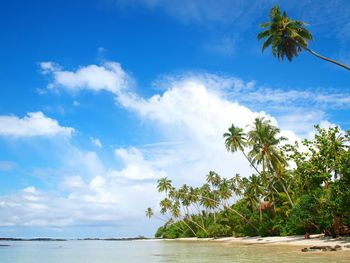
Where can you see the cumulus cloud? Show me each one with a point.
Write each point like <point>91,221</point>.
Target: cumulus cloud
<point>108,77</point>
<point>34,124</point>
<point>136,167</point>
<point>95,195</point>
<point>188,118</point>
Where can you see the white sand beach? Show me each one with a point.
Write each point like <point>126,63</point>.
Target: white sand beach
<point>300,241</point>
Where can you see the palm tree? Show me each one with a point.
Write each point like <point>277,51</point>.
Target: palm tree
<point>225,192</point>
<point>236,185</point>
<point>176,213</point>
<point>235,140</point>
<point>186,200</point>
<point>288,37</point>
<point>149,212</point>
<point>208,201</point>
<point>164,185</point>
<point>165,205</point>
<point>264,141</point>
<point>213,178</point>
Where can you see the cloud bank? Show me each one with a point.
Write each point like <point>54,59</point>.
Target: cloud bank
<point>188,119</point>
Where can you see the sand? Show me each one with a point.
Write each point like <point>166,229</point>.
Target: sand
<point>300,241</point>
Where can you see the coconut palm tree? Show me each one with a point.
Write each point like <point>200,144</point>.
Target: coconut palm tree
<point>253,192</point>
<point>164,185</point>
<point>288,37</point>
<point>149,212</point>
<point>207,201</point>
<point>265,151</point>
<point>235,140</point>
<point>225,192</point>
<point>264,142</point>
<point>213,178</point>
<point>165,205</point>
<point>236,185</point>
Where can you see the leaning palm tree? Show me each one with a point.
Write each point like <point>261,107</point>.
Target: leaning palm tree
<point>235,140</point>
<point>288,37</point>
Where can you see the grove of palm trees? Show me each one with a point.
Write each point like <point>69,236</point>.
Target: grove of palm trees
<point>294,189</point>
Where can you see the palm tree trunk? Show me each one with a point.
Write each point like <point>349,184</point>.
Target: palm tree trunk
<point>200,214</point>
<point>326,59</point>
<point>233,210</point>
<point>194,233</point>
<point>256,169</point>
<point>201,227</point>
<point>287,193</point>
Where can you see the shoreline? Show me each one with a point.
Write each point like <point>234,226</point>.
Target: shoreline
<point>318,240</point>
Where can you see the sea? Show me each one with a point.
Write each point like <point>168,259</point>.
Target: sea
<point>144,251</point>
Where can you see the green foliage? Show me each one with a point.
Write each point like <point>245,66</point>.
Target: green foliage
<point>311,197</point>
<point>159,232</point>
<point>287,37</point>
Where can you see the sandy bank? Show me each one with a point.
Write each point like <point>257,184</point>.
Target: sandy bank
<point>314,240</point>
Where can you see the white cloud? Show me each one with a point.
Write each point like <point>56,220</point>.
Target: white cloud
<point>95,197</point>
<point>195,112</point>
<point>302,123</point>
<point>189,117</point>
<point>34,124</point>
<point>136,167</point>
<point>97,142</point>
<point>48,67</point>
<point>108,77</point>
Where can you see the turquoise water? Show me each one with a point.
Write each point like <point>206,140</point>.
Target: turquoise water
<point>155,251</point>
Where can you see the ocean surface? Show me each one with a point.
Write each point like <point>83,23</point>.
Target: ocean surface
<point>155,251</point>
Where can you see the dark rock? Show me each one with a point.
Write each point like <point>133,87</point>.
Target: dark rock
<point>321,248</point>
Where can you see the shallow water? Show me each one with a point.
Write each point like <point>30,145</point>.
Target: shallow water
<point>155,251</point>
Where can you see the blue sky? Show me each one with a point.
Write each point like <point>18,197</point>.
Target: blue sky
<point>99,99</point>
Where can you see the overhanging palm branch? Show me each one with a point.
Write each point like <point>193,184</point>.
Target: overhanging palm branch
<point>288,37</point>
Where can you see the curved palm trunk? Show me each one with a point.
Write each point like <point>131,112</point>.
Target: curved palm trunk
<point>200,214</point>
<point>287,193</point>
<point>187,216</point>
<point>326,59</point>
<point>256,169</point>
<point>188,226</point>
<point>284,189</point>
<point>233,210</point>
<point>201,227</point>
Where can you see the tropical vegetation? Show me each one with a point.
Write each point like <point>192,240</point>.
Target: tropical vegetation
<point>293,189</point>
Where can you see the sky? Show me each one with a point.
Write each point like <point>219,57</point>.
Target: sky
<point>101,98</point>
